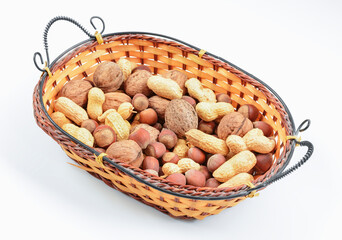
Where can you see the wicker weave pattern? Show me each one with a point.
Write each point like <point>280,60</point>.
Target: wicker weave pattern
<point>161,55</point>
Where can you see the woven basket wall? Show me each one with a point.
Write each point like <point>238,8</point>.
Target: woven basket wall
<point>160,55</point>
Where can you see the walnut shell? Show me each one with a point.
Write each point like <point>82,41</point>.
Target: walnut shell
<point>126,151</point>
<point>154,133</point>
<point>108,77</point>
<point>180,117</point>
<point>159,104</point>
<point>77,91</point>
<point>114,99</point>
<point>233,123</point>
<point>137,83</point>
<point>178,77</point>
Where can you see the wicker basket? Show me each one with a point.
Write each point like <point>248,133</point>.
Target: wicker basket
<point>162,53</point>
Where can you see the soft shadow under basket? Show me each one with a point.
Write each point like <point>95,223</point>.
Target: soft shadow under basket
<point>162,53</point>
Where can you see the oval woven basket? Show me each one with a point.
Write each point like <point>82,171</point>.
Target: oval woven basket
<point>162,53</point>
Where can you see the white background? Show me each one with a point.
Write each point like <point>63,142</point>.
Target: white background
<point>294,46</point>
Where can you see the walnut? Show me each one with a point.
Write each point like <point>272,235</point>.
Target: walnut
<point>77,91</point>
<point>114,99</point>
<point>108,77</point>
<point>159,104</point>
<point>180,117</point>
<point>137,83</point>
<point>233,124</point>
<point>126,151</point>
<point>178,77</point>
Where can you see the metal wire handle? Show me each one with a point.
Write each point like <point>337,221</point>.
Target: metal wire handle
<point>302,127</point>
<point>46,31</point>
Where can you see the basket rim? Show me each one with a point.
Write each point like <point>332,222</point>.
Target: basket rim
<point>244,191</point>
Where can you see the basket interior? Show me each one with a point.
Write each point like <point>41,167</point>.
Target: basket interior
<point>162,55</point>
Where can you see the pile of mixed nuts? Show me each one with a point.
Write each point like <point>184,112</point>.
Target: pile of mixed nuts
<point>168,125</point>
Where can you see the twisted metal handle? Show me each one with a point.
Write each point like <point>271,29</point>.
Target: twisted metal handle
<point>46,31</point>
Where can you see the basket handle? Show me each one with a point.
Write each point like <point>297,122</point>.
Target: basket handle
<point>302,127</point>
<point>47,28</point>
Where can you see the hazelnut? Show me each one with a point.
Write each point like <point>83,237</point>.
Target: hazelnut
<point>263,164</point>
<point>233,124</point>
<point>140,102</point>
<point>249,111</point>
<point>222,97</point>
<point>168,138</point>
<point>148,116</point>
<point>207,127</point>
<point>141,67</point>
<point>212,183</point>
<point>195,177</point>
<point>152,131</point>
<point>155,149</point>
<point>196,154</point>
<point>177,178</point>
<point>126,151</point>
<point>90,125</point>
<point>100,150</point>
<point>265,127</point>
<point>190,100</point>
<point>141,137</point>
<point>104,136</point>
<point>205,171</point>
<point>137,83</point>
<point>158,126</point>
<point>170,157</point>
<point>150,163</point>
<point>215,161</point>
<point>108,77</point>
<point>77,91</point>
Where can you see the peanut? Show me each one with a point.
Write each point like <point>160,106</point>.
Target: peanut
<point>235,144</point>
<point>120,127</point>
<point>209,111</point>
<point>126,67</point>
<point>102,118</point>
<point>81,134</point>
<point>256,141</point>
<point>96,98</point>
<point>181,148</point>
<point>239,179</point>
<point>125,110</point>
<point>206,142</point>
<point>59,118</point>
<point>164,87</point>
<point>170,168</point>
<point>240,163</point>
<point>71,110</point>
<point>186,164</point>
<point>196,90</point>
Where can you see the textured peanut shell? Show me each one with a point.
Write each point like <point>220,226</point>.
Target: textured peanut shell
<point>159,104</point>
<point>206,142</point>
<point>181,148</point>
<point>126,151</point>
<point>108,77</point>
<point>209,111</point>
<point>233,123</point>
<point>235,144</point>
<point>186,164</point>
<point>154,133</point>
<point>126,67</point>
<point>239,179</point>
<point>240,163</point>
<point>118,124</point>
<point>77,91</point>
<point>177,76</point>
<point>196,90</point>
<point>59,118</point>
<point>71,110</point>
<point>81,134</point>
<point>114,99</point>
<point>180,117</point>
<point>96,98</point>
<point>164,87</point>
<point>256,141</point>
<point>137,83</point>
<point>170,168</point>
